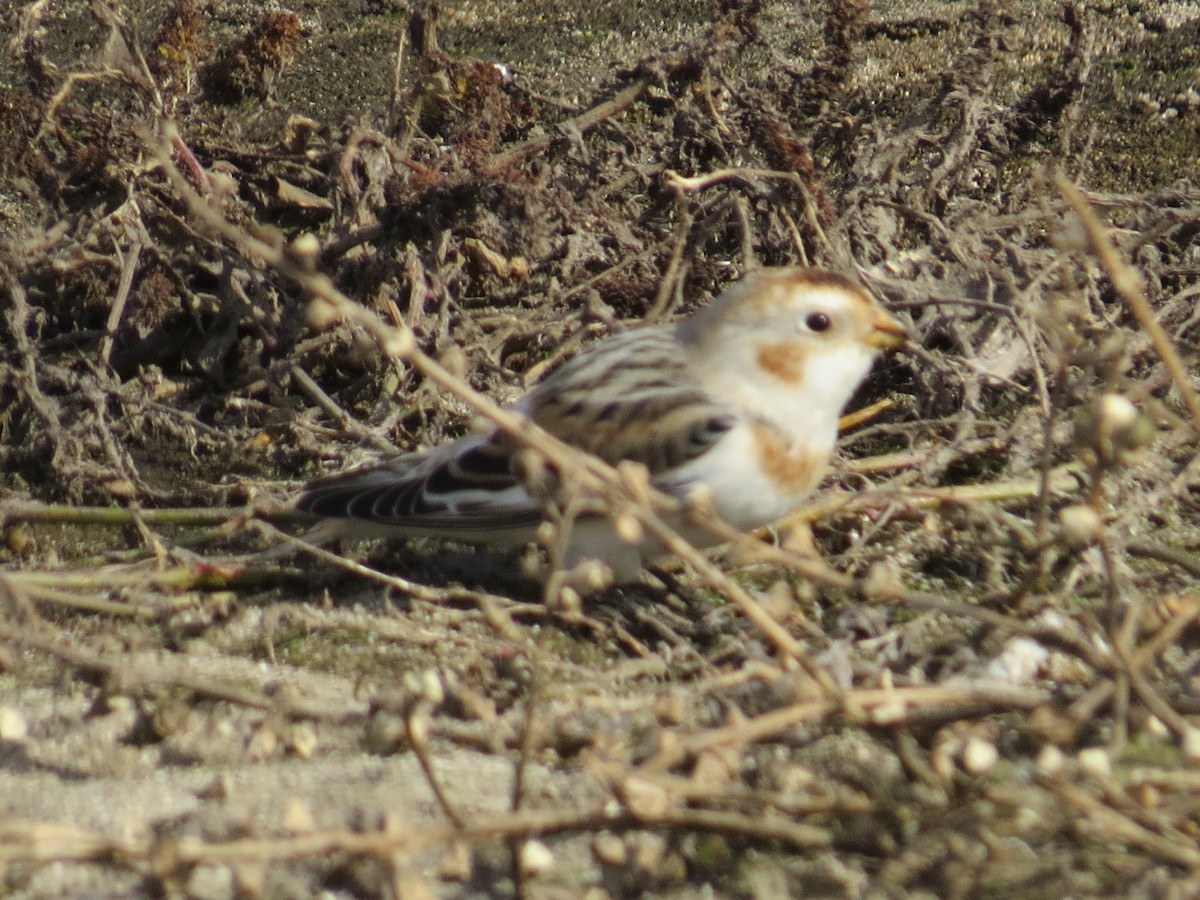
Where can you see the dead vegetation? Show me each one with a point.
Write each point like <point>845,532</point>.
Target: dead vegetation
<point>966,670</point>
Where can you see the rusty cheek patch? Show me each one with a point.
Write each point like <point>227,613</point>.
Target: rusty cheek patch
<point>783,360</point>
<point>794,469</point>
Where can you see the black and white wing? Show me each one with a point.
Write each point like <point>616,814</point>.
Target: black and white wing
<point>633,397</point>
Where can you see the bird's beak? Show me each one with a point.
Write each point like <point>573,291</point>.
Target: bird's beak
<point>886,332</point>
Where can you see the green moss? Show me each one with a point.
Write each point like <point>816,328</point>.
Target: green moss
<point>1147,750</point>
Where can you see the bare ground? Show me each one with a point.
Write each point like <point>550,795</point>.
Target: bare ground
<point>967,670</point>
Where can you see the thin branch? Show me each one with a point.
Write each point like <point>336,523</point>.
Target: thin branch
<point>1129,285</point>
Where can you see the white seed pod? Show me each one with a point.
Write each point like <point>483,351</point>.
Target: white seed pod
<point>432,688</point>
<point>306,246</point>
<point>418,729</point>
<point>593,575</point>
<point>979,755</point>
<point>1096,762</point>
<point>1117,413</point>
<point>568,602</point>
<point>535,858</point>
<point>1191,744</point>
<point>628,528</point>
<point>1050,761</point>
<point>1081,525</point>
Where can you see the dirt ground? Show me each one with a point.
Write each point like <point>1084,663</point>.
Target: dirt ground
<point>967,669</point>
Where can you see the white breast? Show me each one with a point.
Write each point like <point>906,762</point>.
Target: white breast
<point>743,493</point>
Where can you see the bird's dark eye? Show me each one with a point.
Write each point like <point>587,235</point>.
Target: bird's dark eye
<point>817,322</point>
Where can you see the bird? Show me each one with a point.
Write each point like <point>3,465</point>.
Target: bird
<point>738,403</point>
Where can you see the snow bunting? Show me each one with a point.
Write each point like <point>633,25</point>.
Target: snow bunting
<point>741,401</point>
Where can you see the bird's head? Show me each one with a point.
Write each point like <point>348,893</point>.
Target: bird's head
<point>805,334</point>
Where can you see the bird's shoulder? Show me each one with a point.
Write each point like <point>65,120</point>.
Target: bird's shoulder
<point>635,396</point>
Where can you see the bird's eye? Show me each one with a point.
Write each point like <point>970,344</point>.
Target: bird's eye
<point>817,322</point>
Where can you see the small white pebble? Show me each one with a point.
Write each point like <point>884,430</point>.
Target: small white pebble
<point>1019,661</point>
<point>645,799</point>
<point>303,740</point>
<point>13,726</point>
<point>210,880</point>
<point>610,850</point>
<point>297,818</point>
<point>882,583</point>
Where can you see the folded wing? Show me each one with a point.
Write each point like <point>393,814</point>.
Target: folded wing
<point>633,398</point>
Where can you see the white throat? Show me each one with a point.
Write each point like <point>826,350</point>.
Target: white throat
<point>806,410</point>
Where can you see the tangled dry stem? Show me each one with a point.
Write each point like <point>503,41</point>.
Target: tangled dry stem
<point>1000,582</point>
